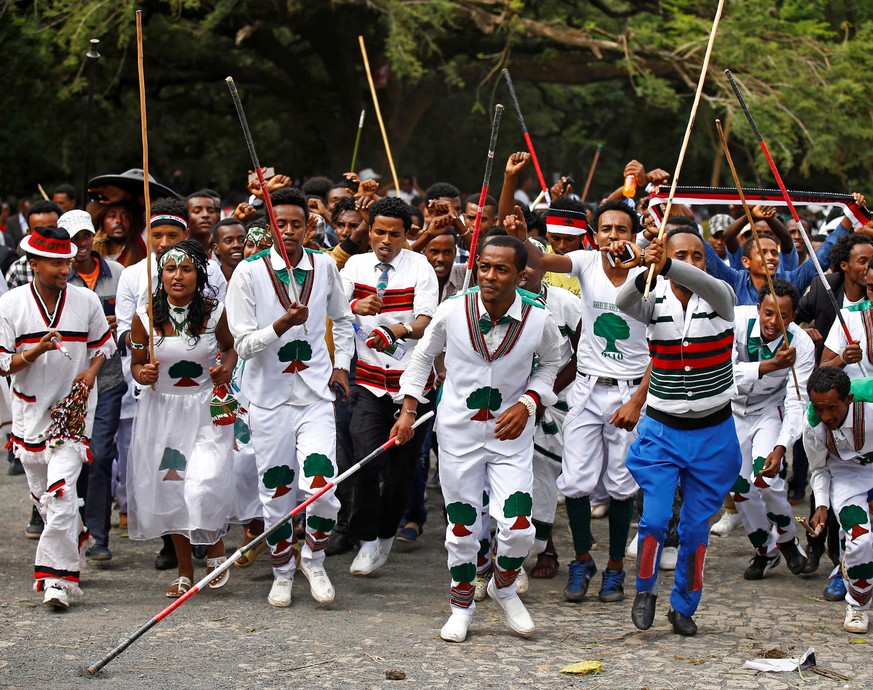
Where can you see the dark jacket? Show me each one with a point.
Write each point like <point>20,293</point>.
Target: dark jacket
<point>816,307</point>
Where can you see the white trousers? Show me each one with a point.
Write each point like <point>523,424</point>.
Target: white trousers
<point>762,502</point>
<point>850,485</point>
<point>548,449</point>
<point>295,449</point>
<point>51,477</point>
<point>594,447</point>
<point>463,482</point>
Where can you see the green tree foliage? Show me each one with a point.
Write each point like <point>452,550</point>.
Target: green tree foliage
<point>741,486</point>
<point>862,571</point>
<point>321,526</point>
<point>462,515</point>
<point>486,400</point>
<point>851,519</point>
<point>611,327</point>
<point>759,538</point>
<point>174,462</point>
<point>617,72</point>
<point>280,478</point>
<point>318,467</point>
<point>297,352</point>
<point>518,505</point>
<point>185,372</point>
<point>282,537</point>
<point>241,431</point>
<point>466,572</point>
<point>510,563</point>
<point>781,521</point>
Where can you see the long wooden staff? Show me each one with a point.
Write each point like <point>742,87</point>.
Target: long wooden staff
<point>730,162</point>
<point>785,195</point>
<point>688,129</point>
<point>591,173</point>
<point>145,174</point>
<point>379,113</point>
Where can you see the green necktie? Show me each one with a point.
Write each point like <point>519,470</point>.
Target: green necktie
<point>485,323</point>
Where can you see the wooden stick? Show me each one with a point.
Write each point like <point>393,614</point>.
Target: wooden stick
<point>688,129</point>
<point>145,174</point>
<point>379,113</point>
<point>730,162</point>
<point>591,173</point>
<point>42,191</point>
<point>357,140</point>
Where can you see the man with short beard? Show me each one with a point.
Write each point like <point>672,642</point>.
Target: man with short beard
<point>116,240</point>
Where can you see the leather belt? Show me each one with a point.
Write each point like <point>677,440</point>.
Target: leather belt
<point>606,381</point>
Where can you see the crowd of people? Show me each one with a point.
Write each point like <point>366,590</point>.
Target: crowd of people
<point>199,368</point>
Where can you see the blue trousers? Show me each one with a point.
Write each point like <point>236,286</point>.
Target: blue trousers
<point>98,494</point>
<point>706,462</point>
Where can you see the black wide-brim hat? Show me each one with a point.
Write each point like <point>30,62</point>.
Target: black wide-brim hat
<point>132,181</point>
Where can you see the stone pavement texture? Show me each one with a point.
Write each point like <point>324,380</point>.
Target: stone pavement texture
<point>233,639</point>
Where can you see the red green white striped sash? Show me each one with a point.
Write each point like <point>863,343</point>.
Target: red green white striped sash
<point>858,436</point>
<point>478,339</point>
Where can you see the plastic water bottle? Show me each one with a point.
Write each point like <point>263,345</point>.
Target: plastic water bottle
<point>396,351</point>
<point>630,186</point>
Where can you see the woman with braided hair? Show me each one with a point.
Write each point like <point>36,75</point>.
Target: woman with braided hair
<point>180,473</point>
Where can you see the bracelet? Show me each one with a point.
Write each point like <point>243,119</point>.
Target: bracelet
<point>136,346</point>
<point>407,410</point>
<point>840,356</point>
<point>529,404</point>
<point>28,361</point>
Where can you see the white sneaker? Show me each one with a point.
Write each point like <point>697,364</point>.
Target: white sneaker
<point>522,583</point>
<point>57,598</point>
<point>481,588</point>
<point>280,593</point>
<point>669,556</point>
<point>319,583</point>
<point>726,524</point>
<point>455,629</point>
<point>631,550</point>
<point>517,616</point>
<point>856,621</point>
<point>368,561</point>
<point>599,512</point>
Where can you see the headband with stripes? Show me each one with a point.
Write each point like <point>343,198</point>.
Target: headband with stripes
<point>166,219</point>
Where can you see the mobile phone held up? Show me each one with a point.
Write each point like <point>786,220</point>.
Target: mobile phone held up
<point>626,255</point>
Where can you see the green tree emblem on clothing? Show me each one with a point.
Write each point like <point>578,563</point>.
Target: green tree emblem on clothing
<point>851,518</point>
<point>296,352</point>
<point>518,506</point>
<point>462,515</point>
<point>280,478</point>
<point>611,327</point>
<point>185,372</point>
<point>781,521</point>
<point>486,400</point>
<point>510,563</point>
<point>282,538</point>
<point>466,572</point>
<point>174,462</point>
<point>861,573</point>
<point>741,486</point>
<point>759,538</point>
<point>318,467</point>
<point>321,526</point>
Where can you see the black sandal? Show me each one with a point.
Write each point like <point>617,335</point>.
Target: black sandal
<point>551,570</point>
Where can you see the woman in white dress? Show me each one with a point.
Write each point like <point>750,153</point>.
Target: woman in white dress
<point>180,477</point>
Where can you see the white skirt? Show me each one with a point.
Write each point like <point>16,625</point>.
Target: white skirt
<point>180,472</point>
